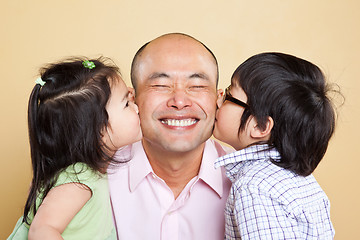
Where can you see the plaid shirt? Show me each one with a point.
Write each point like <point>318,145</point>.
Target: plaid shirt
<point>269,202</point>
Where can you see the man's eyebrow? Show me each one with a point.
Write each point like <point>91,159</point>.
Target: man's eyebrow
<point>158,75</point>
<point>199,75</point>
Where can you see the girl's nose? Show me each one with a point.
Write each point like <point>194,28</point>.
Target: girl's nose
<point>134,106</point>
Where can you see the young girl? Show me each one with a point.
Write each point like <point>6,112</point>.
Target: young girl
<point>80,112</point>
<point>278,117</point>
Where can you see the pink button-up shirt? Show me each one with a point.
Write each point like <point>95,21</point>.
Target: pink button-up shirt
<point>144,206</point>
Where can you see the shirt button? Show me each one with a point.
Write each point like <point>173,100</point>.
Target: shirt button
<point>153,175</point>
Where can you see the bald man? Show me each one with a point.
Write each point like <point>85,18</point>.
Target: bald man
<point>170,189</point>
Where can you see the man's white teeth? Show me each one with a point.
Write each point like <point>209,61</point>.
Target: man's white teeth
<point>179,123</point>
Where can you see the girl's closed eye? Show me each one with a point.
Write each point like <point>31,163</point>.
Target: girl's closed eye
<point>127,100</point>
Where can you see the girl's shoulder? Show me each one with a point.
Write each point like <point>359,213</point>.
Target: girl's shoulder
<point>78,173</point>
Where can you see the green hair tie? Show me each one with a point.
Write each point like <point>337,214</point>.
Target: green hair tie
<point>40,81</point>
<point>88,64</point>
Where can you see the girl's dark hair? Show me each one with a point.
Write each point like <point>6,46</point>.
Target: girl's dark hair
<point>293,92</point>
<point>66,117</point>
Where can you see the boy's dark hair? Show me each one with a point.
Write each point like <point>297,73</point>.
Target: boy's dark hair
<point>66,117</point>
<point>293,92</point>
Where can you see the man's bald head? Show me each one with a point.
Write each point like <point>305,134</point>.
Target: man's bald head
<point>167,41</point>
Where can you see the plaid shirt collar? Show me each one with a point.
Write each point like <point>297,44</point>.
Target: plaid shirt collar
<point>235,162</point>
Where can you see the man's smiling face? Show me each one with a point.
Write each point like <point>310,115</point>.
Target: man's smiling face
<point>176,93</point>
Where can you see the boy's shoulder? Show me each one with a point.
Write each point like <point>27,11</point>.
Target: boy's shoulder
<point>262,173</point>
<point>221,148</point>
<point>265,178</point>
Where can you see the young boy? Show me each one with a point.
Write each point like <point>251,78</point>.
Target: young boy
<point>277,115</point>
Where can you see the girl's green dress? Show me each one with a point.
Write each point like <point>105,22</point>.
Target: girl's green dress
<point>94,220</point>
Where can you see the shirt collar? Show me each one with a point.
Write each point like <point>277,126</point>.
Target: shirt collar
<point>211,176</point>
<point>236,161</point>
<point>139,166</point>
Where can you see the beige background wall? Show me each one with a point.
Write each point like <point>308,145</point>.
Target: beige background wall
<point>326,32</point>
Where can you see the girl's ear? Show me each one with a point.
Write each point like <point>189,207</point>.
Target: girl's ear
<point>261,134</point>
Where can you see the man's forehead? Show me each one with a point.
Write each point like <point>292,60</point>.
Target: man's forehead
<point>176,45</point>
<point>181,60</point>
<point>173,54</point>
<point>180,69</point>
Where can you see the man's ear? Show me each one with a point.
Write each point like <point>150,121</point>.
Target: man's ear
<point>131,93</point>
<point>219,100</point>
<point>261,134</point>
<point>220,93</point>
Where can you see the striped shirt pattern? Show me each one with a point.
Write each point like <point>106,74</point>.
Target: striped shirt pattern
<point>269,202</point>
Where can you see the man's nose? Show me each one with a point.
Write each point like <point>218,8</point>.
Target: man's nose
<point>179,99</point>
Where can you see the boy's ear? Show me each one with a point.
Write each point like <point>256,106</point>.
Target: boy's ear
<point>258,133</point>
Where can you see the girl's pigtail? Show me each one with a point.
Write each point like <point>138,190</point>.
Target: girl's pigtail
<point>33,106</point>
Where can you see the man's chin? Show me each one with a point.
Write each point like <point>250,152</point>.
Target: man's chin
<point>185,145</point>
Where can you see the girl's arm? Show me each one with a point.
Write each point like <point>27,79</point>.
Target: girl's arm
<point>58,208</point>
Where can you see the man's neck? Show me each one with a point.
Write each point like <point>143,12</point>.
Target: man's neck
<point>175,168</point>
